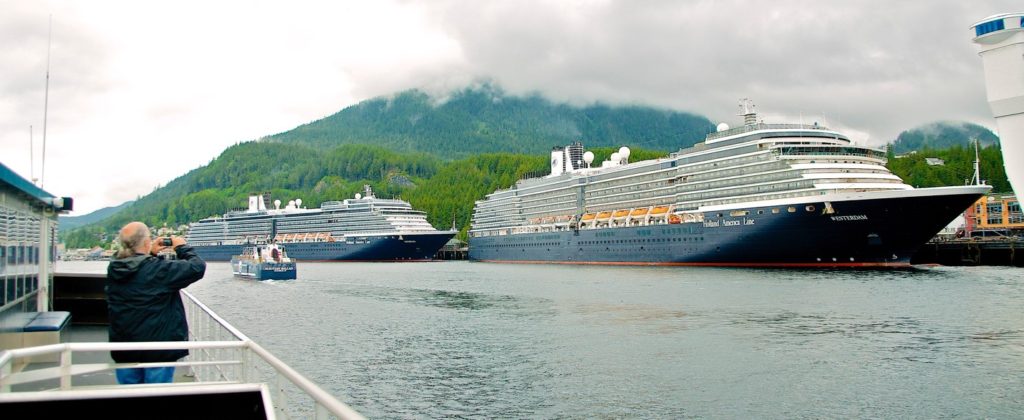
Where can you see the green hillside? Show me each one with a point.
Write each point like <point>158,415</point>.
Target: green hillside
<point>942,135</point>
<point>957,169</point>
<point>485,120</point>
<point>71,222</point>
<point>445,190</point>
<point>442,156</point>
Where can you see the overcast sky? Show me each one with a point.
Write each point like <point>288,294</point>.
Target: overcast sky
<point>141,92</point>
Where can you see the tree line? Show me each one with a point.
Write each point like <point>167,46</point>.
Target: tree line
<point>445,190</point>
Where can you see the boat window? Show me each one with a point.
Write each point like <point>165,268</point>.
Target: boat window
<point>791,209</point>
<point>809,208</point>
<point>995,25</point>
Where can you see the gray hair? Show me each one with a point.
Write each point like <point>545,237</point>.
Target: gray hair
<point>132,241</point>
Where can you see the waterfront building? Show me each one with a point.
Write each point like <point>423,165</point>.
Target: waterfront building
<point>995,214</point>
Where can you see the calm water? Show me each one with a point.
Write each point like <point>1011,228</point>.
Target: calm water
<point>492,340</point>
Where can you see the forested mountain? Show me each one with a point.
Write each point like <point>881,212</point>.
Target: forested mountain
<point>71,222</point>
<point>445,190</point>
<point>957,169</point>
<point>486,120</point>
<point>442,156</point>
<point>942,135</point>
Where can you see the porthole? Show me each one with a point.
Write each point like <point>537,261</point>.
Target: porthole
<point>809,208</point>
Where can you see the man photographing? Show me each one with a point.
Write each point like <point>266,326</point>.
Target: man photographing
<point>144,303</point>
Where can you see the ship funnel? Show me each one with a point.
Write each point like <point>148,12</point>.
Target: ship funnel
<point>557,161</point>
<point>574,154</point>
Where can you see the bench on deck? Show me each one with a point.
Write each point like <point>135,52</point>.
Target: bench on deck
<point>31,329</point>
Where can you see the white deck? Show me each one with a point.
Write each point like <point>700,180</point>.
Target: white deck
<point>222,359</point>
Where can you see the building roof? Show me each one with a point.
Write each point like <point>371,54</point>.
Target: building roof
<point>11,180</point>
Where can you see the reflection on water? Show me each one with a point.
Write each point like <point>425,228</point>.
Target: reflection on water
<point>490,340</point>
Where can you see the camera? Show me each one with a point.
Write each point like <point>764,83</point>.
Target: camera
<point>166,241</point>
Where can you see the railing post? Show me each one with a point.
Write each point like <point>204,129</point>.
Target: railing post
<point>280,402</point>
<point>65,368</point>
<point>5,372</point>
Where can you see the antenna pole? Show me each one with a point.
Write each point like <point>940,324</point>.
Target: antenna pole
<point>46,100</point>
<point>977,164</point>
<point>31,156</point>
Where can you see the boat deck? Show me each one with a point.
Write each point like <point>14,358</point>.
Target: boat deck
<point>85,334</point>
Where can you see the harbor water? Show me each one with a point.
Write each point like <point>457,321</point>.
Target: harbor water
<point>465,339</point>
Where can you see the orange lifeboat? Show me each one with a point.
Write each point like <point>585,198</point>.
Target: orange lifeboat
<point>588,217</point>
<point>604,215</point>
<point>638,212</point>
<point>674,219</point>
<point>620,214</point>
<point>659,210</point>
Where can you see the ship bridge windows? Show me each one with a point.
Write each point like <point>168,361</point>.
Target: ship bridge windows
<point>991,26</point>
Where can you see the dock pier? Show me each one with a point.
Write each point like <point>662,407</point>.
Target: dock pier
<point>968,252</point>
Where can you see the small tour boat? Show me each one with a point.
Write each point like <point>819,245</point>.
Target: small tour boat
<point>264,262</point>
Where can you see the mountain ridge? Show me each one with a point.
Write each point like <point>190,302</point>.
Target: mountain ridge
<point>941,135</point>
<point>443,155</point>
<point>486,120</point>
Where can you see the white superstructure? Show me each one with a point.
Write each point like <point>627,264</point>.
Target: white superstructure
<point>1001,38</point>
<point>732,169</point>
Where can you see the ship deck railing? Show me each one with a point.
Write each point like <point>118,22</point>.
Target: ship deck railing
<point>221,360</point>
<point>762,126</point>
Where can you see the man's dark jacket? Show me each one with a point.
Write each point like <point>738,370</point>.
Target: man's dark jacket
<point>144,303</point>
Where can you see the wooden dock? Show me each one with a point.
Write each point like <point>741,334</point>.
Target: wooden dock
<point>1007,251</point>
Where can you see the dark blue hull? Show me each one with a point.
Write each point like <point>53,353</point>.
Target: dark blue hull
<point>860,233</point>
<point>370,248</point>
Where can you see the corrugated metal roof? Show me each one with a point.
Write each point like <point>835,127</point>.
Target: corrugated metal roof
<point>10,179</point>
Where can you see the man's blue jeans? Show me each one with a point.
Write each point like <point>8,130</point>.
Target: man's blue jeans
<point>145,375</point>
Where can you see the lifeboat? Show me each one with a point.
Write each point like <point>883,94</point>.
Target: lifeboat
<point>620,214</point>
<point>550,219</point>
<point>587,217</point>
<point>638,212</point>
<point>563,218</point>
<point>674,219</point>
<point>659,211</point>
<point>604,215</point>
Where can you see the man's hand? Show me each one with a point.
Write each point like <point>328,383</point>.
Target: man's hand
<point>158,244</point>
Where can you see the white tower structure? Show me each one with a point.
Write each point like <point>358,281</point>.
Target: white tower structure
<point>1001,38</point>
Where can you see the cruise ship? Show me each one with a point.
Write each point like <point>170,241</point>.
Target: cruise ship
<point>758,195</point>
<point>364,228</point>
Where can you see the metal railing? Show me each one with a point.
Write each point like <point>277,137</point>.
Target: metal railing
<point>762,126</point>
<point>220,355</point>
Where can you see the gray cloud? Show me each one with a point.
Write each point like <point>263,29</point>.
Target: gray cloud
<point>130,77</point>
<point>876,66</point>
<point>77,68</point>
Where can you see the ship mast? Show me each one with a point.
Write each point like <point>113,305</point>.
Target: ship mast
<point>747,112</point>
<point>976,180</point>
